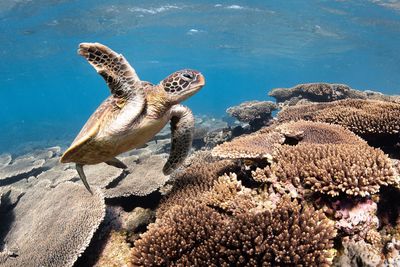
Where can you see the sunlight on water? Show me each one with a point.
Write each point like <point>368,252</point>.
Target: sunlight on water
<point>244,49</point>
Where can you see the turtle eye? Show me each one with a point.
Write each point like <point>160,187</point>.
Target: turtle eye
<point>187,76</point>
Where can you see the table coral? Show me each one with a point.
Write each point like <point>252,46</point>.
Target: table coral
<point>316,92</point>
<point>46,233</point>
<point>260,144</point>
<point>370,119</point>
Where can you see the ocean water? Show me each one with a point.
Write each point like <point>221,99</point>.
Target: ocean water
<point>244,49</point>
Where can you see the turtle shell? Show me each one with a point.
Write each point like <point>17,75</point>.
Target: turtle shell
<point>95,123</point>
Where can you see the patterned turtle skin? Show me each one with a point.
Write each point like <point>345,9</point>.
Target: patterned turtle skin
<point>134,113</point>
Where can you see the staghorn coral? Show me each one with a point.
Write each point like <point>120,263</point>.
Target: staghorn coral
<point>291,234</point>
<point>229,195</point>
<point>181,233</point>
<point>332,168</point>
<point>145,176</point>
<point>257,145</point>
<point>371,119</point>
<point>315,92</point>
<point>41,231</point>
<point>256,113</point>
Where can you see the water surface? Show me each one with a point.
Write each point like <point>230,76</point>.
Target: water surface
<point>244,48</point>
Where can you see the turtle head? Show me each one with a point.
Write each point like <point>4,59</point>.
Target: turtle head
<point>182,84</point>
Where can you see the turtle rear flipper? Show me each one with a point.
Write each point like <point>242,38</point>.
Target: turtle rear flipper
<point>79,168</point>
<point>182,128</point>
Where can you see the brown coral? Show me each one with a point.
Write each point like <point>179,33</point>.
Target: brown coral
<point>358,253</point>
<point>183,234</point>
<point>194,181</point>
<point>316,92</point>
<point>256,113</point>
<point>292,234</point>
<point>332,168</point>
<point>318,133</point>
<point>370,119</point>
<point>257,145</point>
<point>116,251</point>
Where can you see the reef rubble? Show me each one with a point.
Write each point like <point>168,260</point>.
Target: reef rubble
<point>316,184</point>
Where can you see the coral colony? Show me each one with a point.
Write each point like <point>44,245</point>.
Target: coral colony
<point>316,185</point>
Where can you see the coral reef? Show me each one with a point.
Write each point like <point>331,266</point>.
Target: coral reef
<point>371,119</point>
<point>144,176</point>
<point>115,252</point>
<point>324,92</point>
<point>358,219</point>
<point>57,176</point>
<point>21,166</point>
<point>41,213</point>
<point>258,145</point>
<point>256,113</point>
<point>315,92</point>
<point>358,253</point>
<point>303,191</point>
<point>333,168</point>
<point>318,133</point>
<point>193,182</point>
<point>291,234</point>
<point>102,174</point>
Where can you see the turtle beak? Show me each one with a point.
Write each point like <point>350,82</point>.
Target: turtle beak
<point>201,81</point>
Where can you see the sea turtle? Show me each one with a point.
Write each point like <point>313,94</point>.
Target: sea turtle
<point>134,112</point>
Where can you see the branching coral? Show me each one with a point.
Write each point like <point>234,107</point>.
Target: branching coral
<point>194,181</point>
<point>333,168</point>
<point>291,234</point>
<point>182,235</point>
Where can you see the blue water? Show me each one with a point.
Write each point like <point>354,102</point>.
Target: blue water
<point>244,48</point>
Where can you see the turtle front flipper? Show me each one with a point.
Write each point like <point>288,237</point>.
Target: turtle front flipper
<point>119,75</point>
<point>182,128</point>
<point>125,86</point>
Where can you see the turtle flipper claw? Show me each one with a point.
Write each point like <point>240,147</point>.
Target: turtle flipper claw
<point>79,168</point>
